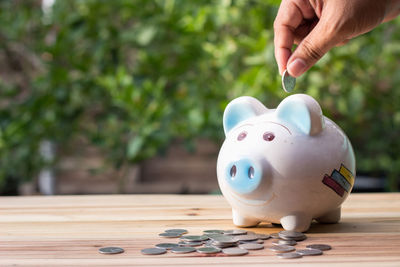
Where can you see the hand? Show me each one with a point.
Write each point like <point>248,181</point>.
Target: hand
<point>319,25</point>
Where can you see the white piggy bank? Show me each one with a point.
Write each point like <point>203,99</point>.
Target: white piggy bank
<point>287,165</point>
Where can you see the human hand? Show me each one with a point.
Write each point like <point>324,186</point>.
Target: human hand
<point>319,25</point>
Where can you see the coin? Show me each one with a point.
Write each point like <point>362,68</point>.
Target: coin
<point>223,239</point>
<point>282,248</point>
<point>235,251</point>
<point>220,245</point>
<point>181,250</point>
<point>310,252</point>
<point>251,246</point>
<point>190,244</point>
<point>284,242</point>
<point>245,238</point>
<point>288,82</point>
<point>167,245</point>
<point>194,238</point>
<point>208,250</point>
<point>170,234</point>
<point>235,232</point>
<point>181,231</point>
<point>320,246</point>
<point>289,255</point>
<point>153,251</point>
<point>212,235</point>
<point>111,250</point>
<point>258,241</point>
<point>263,236</point>
<point>292,235</point>
<point>213,231</point>
<point>274,235</point>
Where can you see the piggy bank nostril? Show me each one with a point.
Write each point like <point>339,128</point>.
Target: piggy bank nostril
<point>233,171</point>
<point>251,173</point>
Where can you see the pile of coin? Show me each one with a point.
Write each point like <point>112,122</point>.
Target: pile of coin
<point>284,246</point>
<point>235,242</point>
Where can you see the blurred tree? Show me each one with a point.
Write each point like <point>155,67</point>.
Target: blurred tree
<point>130,76</point>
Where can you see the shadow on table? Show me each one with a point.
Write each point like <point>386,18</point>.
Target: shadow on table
<point>349,225</point>
<point>357,225</point>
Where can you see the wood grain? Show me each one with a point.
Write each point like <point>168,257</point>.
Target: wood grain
<point>68,230</point>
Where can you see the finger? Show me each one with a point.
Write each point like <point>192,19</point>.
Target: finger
<point>290,15</point>
<point>303,30</point>
<point>319,41</point>
<point>343,43</point>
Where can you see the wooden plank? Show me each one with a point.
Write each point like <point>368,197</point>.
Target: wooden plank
<point>68,230</point>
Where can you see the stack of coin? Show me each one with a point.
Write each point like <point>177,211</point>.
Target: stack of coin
<point>288,239</point>
<point>173,233</point>
<point>221,241</point>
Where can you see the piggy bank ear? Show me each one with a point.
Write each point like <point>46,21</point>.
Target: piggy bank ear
<point>303,112</point>
<point>240,109</point>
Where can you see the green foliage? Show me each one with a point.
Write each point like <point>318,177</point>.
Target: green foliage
<point>130,76</point>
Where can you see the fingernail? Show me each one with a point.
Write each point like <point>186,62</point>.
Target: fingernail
<point>297,67</point>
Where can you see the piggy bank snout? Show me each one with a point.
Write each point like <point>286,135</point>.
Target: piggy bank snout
<point>244,175</point>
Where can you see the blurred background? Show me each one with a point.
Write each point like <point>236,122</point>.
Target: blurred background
<point>128,96</point>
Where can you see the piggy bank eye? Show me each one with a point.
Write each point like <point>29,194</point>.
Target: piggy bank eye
<point>242,136</point>
<point>268,136</point>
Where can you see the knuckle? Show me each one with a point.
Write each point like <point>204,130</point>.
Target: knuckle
<point>310,50</point>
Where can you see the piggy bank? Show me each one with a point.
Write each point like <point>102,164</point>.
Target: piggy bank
<point>286,166</point>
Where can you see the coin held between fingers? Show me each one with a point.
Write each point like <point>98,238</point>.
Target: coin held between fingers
<point>288,82</point>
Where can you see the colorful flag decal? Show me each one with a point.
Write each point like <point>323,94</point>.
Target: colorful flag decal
<point>339,181</point>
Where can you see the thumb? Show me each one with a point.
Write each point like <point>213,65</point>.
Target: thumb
<point>316,44</point>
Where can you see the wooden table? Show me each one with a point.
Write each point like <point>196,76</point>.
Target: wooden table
<point>68,230</point>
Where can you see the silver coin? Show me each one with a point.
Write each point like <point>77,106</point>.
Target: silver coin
<point>274,236</point>
<point>263,236</point>
<point>245,237</point>
<point>213,231</point>
<point>258,241</point>
<point>166,245</point>
<point>310,252</point>
<point>194,238</point>
<point>288,82</point>
<point>111,250</point>
<point>181,250</point>
<point>284,242</point>
<point>212,235</point>
<point>235,232</point>
<point>223,239</point>
<point>190,244</point>
<point>153,251</point>
<point>208,250</point>
<point>320,246</point>
<point>220,245</point>
<point>181,231</point>
<point>251,246</point>
<point>282,248</point>
<point>289,255</point>
<point>292,235</point>
<point>170,234</point>
<point>235,251</point>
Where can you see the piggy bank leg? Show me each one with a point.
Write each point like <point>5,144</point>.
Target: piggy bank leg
<point>297,222</point>
<point>331,217</point>
<point>242,221</point>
